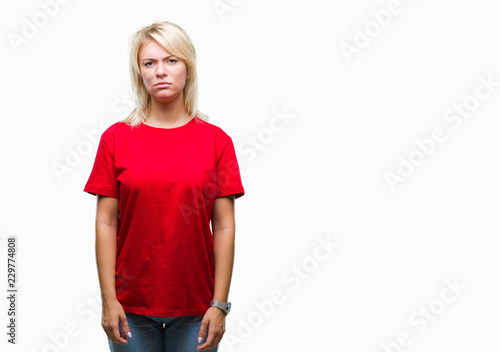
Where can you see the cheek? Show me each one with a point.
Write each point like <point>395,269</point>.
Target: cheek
<point>146,80</point>
<point>181,77</point>
<point>181,73</point>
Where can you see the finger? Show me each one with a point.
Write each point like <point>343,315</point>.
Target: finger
<point>203,330</point>
<point>115,334</point>
<point>125,327</point>
<point>210,343</point>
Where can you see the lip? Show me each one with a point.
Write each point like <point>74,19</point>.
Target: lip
<point>162,84</point>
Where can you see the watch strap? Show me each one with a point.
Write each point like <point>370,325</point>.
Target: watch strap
<point>225,307</point>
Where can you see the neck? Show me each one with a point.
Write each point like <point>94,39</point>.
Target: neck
<point>169,113</point>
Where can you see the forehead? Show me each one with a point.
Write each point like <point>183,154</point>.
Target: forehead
<point>152,49</point>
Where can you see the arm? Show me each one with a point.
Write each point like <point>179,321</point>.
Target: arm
<point>106,229</point>
<point>223,226</point>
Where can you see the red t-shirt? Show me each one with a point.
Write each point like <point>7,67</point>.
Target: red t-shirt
<point>166,181</point>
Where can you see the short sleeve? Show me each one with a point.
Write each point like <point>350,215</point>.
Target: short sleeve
<point>228,173</point>
<point>102,179</point>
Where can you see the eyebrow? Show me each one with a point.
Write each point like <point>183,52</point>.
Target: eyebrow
<point>155,59</point>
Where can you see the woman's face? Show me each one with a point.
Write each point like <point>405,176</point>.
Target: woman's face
<point>157,65</point>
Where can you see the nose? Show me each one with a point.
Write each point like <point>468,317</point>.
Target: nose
<point>161,71</point>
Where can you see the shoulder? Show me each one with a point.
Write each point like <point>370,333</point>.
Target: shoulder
<point>114,133</point>
<point>114,129</point>
<point>111,129</point>
<point>216,132</point>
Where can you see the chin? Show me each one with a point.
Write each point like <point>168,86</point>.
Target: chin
<point>164,97</point>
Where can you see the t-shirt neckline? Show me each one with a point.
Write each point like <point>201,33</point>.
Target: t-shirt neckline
<point>170,129</point>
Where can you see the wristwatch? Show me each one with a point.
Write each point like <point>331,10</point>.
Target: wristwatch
<point>225,307</point>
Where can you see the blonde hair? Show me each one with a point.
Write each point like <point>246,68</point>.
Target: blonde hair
<point>177,42</point>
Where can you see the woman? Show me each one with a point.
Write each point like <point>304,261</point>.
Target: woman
<point>161,176</point>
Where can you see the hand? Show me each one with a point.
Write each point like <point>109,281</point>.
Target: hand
<point>215,320</point>
<point>112,314</point>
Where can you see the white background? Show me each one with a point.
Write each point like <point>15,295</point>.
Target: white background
<point>352,120</point>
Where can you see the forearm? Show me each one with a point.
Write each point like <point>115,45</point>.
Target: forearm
<point>106,260</point>
<point>224,259</point>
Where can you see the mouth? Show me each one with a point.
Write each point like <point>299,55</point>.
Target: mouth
<point>162,84</point>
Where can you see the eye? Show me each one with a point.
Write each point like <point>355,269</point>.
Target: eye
<point>147,63</point>
<point>172,60</point>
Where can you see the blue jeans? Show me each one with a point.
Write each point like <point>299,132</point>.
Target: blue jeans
<point>180,334</point>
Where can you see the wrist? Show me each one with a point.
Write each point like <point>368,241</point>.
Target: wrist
<point>219,311</point>
<point>107,299</point>
<point>225,307</point>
